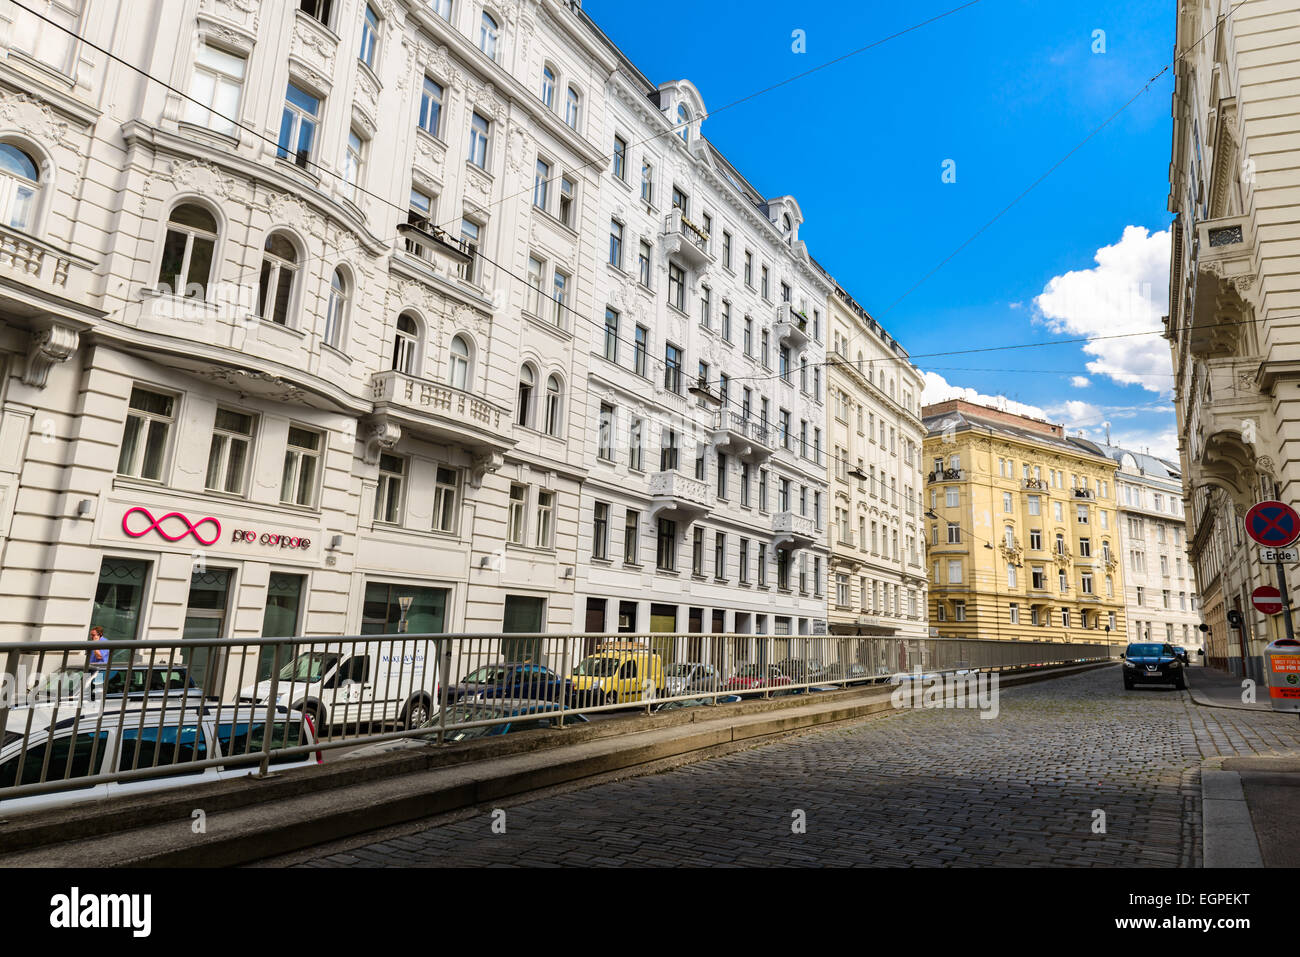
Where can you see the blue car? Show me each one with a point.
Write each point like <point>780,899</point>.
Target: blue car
<point>512,680</point>
<point>1152,663</point>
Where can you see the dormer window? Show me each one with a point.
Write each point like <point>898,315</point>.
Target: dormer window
<point>684,122</point>
<point>787,229</point>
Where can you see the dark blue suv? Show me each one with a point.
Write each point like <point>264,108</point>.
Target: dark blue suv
<point>1152,663</point>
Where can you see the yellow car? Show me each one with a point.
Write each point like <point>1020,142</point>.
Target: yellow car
<point>618,672</point>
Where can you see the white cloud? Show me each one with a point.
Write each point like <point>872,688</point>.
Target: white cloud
<point>1080,381</point>
<point>938,389</point>
<point>1126,292</point>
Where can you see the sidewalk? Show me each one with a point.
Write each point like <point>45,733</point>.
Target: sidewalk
<point>1246,802</point>
<point>1217,689</point>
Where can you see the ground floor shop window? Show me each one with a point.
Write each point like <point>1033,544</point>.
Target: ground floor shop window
<point>523,615</point>
<point>381,612</point>
<point>119,598</point>
<point>281,618</point>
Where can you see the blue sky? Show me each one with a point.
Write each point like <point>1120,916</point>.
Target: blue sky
<point>1004,89</point>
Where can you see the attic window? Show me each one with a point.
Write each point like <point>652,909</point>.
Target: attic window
<point>684,123</point>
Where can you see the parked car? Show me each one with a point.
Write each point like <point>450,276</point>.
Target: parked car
<point>618,672</point>
<point>87,683</point>
<point>751,677</point>
<point>685,677</point>
<point>525,715</point>
<point>1152,663</point>
<point>354,683</point>
<point>152,736</point>
<point>520,679</point>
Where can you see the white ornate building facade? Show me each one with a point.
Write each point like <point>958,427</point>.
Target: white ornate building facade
<point>1160,600</point>
<point>704,506</point>
<point>878,578</point>
<point>249,386</point>
<point>1234,299</point>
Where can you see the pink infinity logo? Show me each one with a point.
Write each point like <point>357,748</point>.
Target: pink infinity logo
<point>155,524</point>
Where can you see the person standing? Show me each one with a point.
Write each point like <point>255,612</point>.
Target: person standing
<point>98,656</point>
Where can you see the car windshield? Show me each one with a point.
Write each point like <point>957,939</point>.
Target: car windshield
<point>309,666</point>
<point>598,666</point>
<point>488,674</point>
<point>677,670</point>
<point>1145,651</point>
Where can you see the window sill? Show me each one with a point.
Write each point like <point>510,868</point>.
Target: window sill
<point>290,168</point>
<point>228,140</point>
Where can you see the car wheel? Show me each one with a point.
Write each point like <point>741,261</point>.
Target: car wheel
<point>1181,683</point>
<point>611,698</point>
<point>1128,685</point>
<point>415,713</point>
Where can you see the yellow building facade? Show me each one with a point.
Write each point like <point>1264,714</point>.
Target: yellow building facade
<point>1022,530</point>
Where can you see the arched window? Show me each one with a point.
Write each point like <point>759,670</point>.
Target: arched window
<point>548,87</point>
<point>279,270</point>
<point>571,108</point>
<point>683,122</point>
<point>337,310</point>
<point>188,252</point>
<point>20,185</point>
<point>458,364</point>
<point>553,397</point>
<point>787,229</point>
<point>487,36</point>
<point>526,382</point>
<point>405,344</point>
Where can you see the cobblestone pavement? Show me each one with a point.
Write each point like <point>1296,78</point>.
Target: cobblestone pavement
<point>916,788</point>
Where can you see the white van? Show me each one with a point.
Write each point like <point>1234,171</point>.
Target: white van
<point>62,743</point>
<point>353,683</point>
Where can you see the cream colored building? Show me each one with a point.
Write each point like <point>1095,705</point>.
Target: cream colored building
<point>1159,582</point>
<point>1234,296</point>
<point>877,575</point>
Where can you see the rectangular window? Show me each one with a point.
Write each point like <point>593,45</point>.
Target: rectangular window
<point>666,545</point>
<point>632,538</point>
<point>301,465</point>
<point>647,184</point>
<point>542,184</point>
<point>369,37</point>
<point>719,555</point>
<point>600,531</point>
<point>605,440</point>
<point>611,335</point>
<point>620,158</point>
<point>431,107</point>
<point>568,190</point>
<point>478,141</point>
<point>215,89</point>
<point>388,493</point>
<point>516,515</point>
<point>673,369</point>
<point>545,518</point>
<point>444,500</point>
<point>119,597</point>
<point>144,440</point>
<point>298,126</point>
<point>1015,613</point>
<point>643,264</point>
<point>954,573</point>
<point>353,164</point>
<point>677,287</point>
<point>743,559</point>
<point>616,244</point>
<point>635,456</point>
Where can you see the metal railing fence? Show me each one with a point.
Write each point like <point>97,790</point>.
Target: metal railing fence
<point>98,718</point>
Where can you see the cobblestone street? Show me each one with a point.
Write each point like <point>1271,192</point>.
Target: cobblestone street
<point>920,788</point>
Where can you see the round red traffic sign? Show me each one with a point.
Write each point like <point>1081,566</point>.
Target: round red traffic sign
<point>1267,599</point>
<point>1273,524</point>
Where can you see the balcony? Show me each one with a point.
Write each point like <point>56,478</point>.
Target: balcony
<point>944,475</point>
<point>673,495</point>
<point>1225,273</point>
<point>791,327</point>
<point>1034,485</point>
<point>793,530</point>
<point>686,241</point>
<point>440,413</point>
<point>1083,493</point>
<point>737,434</point>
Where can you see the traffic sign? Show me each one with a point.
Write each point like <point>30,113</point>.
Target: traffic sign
<point>1267,599</point>
<point>1270,555</point>
<point>1273,524</point>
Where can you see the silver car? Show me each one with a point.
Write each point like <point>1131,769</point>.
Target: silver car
<point>691,677</point>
